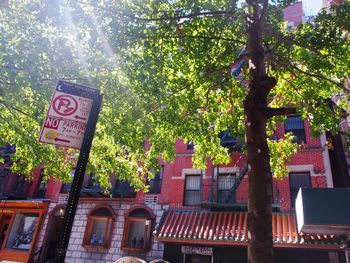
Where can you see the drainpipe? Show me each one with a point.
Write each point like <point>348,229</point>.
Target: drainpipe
<point>217,179</point>
<point>201,187</point>
<point>212,187</point>
<point>326,161</point>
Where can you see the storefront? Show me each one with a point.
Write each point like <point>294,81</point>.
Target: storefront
<point>20,223</point>
<point>221,237</point>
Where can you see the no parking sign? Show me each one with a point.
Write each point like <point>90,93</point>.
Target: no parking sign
<point>68,114</point>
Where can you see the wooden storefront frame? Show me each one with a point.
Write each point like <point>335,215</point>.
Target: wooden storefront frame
<point>13,207</point>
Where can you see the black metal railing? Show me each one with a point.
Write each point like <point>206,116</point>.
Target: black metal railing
<point>232,143</point>
<point>222,190</point>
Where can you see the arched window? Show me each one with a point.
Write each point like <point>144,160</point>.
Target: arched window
<point>99,228</point>
<point>138,229</point>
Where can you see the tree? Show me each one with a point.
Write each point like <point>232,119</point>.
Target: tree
<point>164,69</point>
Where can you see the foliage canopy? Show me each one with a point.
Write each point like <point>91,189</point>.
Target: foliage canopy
<point>164,70</point>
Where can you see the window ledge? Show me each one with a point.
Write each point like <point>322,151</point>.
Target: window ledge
<point>135,249</point>
<point>96,246</point>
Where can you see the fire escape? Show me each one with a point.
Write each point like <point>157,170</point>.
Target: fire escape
<point>219,193</point>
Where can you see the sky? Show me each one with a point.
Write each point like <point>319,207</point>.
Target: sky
<point>311,7</point>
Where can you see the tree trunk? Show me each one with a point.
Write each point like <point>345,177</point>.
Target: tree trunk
<point>260,189</point>
<point>260,245</point>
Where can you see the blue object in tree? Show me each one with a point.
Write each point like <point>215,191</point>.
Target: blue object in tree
<point>238,63</point>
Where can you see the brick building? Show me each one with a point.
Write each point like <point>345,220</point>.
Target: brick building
<point>207,221</point>
<point>294,14</point>
<point>105,228</point>
<point>189,215</point>
<point>22,210</point>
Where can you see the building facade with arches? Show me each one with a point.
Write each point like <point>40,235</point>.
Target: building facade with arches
<point>188,215</point>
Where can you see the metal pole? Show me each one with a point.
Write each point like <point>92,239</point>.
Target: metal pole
<point>77,182</point>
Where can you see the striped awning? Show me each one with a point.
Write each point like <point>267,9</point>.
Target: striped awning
<point>230,228</point>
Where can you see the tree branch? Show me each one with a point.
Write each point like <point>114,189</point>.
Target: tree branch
<point>192,15</point>
<point>309,74</point>
<point>164,18</point>
<point>14,108</point>
<point>280,111</point>
<point>295,88</point>
<point>205,37</point>
<point>290,41</point>
<point>18,130</point>
<point>263,10</point>
<point>206,101</point>
<point>7,83</point>
<point>14,115</point>
<point>11,67</point>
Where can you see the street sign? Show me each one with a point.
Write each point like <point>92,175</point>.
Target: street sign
<point>71,122</point>
<point>67,117</point>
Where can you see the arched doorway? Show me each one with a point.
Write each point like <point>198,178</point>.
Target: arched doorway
<point>52,232</point>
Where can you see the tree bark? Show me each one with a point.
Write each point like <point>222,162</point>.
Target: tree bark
<point>260,245</point>
<point>260,188</point>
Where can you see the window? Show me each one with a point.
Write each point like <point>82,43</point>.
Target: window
<point>6,151</point>
<point>19,188</point>
<point>190,145</point>
<point>123,189</point>
<point>295,125</point>
<point>67,186</point>
<point>155,184</point>
<point>41,190</point>
<point>296,181</point>
<point>225,184</point>
<point>138,230</point>
<point>192,190</point>
<point>92,183</point>
<point>4,172</point>
<point>99,228</point>
<point>22,231</point>
<point>19,229</point>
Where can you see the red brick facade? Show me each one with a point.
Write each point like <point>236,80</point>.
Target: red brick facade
<point>313,159</point>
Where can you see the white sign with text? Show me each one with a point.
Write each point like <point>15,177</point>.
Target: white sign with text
<point>66,120</point>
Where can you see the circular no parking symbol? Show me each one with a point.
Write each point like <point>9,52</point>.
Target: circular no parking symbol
<point>65,105</point>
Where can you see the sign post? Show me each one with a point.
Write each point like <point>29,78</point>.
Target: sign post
<point>71,122</point>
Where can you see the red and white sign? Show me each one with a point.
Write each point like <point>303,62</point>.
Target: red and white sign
<point>70,107</point>
<point>66,120</point>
